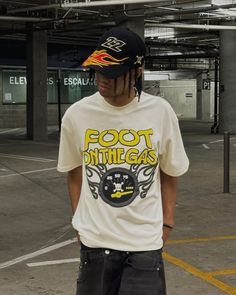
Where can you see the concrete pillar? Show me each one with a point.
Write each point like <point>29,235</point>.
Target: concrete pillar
<point>227,117</point>
<point>137,26</point>
<point>134,19</point>
<point>37,86</point>
<point>203,97</point>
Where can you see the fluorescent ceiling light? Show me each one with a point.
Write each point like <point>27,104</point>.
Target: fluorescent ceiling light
<point>226,12</point>
<point>167,8</point>
<point>222,2</point>
<point>166,36</point>
<point>160,33</point>
<point>220,13</point>
<point>171,53</point>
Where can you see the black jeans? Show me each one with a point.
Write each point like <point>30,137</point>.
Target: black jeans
<point>112,272</point>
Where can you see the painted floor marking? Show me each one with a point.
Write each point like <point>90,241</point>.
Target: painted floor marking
<point>205,146</point>
<point>198,273</point>
<point>220,140</point>
<point>21,133</point>
<point>216,141</point>
<point>53,262</point>
<point>19,157</point>
<point>222,272</point>
<point>28,172</point>
<point>70,241</point>
<point>198,240</point>
<point>37,253</point>
<point>9,130</point>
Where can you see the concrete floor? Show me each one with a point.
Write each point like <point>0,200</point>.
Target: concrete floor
<point>200,257</point>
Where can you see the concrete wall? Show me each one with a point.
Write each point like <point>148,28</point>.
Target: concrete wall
<point>181,94</point>
<point>53,113</point>
<point>14,116</point>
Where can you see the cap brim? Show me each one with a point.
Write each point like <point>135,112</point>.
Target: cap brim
<point>112,71</point>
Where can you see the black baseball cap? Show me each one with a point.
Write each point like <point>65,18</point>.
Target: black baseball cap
<point>118,50</point>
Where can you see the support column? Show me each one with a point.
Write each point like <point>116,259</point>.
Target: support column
<point>134,19</point>
<point>203,97</point>
<point>227,117</point>
<point>37,86</point>
<point>136,26</point>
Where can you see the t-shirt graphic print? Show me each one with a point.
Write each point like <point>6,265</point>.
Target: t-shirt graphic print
<point>106,153</point>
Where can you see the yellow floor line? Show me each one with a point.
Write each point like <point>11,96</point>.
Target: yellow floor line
<point>222,272</point>
<point>197,240</point>
<point>202,275</point>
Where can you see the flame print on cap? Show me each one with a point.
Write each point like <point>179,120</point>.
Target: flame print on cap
<point>102,59</point>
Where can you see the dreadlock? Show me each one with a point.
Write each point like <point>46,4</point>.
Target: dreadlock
<point>115,86</point>
<point>138,83</point>
<point>91,75</point>
<point>130,81</point>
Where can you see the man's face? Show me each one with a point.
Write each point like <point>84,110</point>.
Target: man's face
<point>111,88</point>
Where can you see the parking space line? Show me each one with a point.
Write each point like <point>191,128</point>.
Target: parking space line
<point>9,130</point>
<point>53,262</point>
<point>198,273</point>
<point>28,172</point>
<point>19,157</point>
<point>198,240</point>
<point>222,272</point>
<point>205,146</point>
<point>37,253</point>
<point>221,140</point>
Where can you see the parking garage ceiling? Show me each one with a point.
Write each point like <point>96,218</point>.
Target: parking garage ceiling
<point>180,28</point>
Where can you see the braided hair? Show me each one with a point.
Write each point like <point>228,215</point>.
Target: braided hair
<point>138,81</point>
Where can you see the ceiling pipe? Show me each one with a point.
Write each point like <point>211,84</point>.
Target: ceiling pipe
<point>189,26</point>
<point>34,8</point>
<point>192,10</point>
<point>117,2</point>
<point>177,56</point>
<point>157,43</point>
<point>23,19</point>
<point>89,3</point>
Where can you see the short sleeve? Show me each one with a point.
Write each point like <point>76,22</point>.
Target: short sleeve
<point>172,156</point>
<point>70,156</point>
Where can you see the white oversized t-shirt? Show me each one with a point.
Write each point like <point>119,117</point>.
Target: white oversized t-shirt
<point>122,150</point>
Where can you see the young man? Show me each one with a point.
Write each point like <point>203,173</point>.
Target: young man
<point>123,152</point>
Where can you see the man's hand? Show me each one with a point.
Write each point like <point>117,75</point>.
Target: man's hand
<point>166,234</point>
<point>78,237</point>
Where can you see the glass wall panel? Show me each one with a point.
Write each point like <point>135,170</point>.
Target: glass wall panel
<point>74,86</point>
